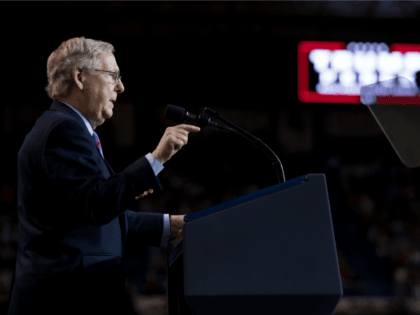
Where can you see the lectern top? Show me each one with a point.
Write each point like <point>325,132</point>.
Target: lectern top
<point>248,197</point>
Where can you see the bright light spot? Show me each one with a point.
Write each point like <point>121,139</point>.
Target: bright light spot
<point>397,61</point>
<point>342,60</point>
<point>412,61</point>
<point>366,78</point>
<point>390,62</point>
<point>365,62</point>
<point>385,78</point>
<point>347,78</point>
<point>320,58</point>
<point>327,77</point>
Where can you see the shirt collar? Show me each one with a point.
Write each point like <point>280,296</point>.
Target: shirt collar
<point>87,123</point>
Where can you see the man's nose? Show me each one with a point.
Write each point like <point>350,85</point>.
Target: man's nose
<point>120,86</point>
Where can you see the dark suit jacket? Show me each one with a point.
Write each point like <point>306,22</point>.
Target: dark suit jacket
<point>74,219</point>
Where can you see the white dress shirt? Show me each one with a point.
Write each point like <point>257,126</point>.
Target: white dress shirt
<point>156,166</point>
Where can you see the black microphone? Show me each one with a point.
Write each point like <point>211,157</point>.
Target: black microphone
<point>180,115</point>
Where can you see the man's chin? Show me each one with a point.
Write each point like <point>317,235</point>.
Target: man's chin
<point>105,116</point>
<point>98,121</point>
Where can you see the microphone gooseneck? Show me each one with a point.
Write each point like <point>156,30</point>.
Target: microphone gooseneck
<point>180,115</point>
<point>256,142</point>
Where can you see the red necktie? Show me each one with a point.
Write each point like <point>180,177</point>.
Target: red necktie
<point>98,143</point>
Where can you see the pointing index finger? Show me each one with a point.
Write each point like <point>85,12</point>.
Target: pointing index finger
<point>189,127</point>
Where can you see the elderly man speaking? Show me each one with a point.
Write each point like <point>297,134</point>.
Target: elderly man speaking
<point>73,210</point>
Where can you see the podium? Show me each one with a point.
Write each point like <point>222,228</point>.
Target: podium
<point>269,252</point>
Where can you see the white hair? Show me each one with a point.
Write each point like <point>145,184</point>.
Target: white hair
<point>77,52</point>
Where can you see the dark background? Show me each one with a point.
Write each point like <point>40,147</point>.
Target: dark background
<point>239,58</point>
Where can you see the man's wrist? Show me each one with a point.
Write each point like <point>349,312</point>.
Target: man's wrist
<point>154,156</point>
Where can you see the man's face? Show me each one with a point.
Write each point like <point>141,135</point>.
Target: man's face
<point>100,90</point>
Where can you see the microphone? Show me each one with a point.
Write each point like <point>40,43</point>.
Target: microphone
<point>180,115</point>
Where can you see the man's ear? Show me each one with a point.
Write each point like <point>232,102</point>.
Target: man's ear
<point>78,76</point>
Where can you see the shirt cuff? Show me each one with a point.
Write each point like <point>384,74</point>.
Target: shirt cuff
<point>166,231</point>
<point>155,164</point>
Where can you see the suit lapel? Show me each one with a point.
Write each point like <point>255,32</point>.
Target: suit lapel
<point>111,171</point>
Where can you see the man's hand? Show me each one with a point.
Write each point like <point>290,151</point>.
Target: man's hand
<point>177,224</point>
<point>172,141</point>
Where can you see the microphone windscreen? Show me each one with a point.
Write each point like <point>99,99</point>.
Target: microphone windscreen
<point>175,113</point>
